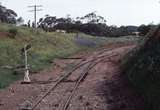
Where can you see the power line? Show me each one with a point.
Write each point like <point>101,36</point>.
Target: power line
<point>35,10</point>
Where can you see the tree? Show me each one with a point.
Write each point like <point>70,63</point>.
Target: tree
<point>47,23</point>
<point>93,18</point>
<point>143,29</point>
<point>7,15</point>
<point>20,21</point>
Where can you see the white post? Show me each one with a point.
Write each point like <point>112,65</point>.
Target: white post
<point>26,76</point>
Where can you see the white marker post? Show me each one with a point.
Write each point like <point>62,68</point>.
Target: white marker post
<point>26,73</point>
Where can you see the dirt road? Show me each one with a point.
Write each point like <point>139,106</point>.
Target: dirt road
<point>104,88</point>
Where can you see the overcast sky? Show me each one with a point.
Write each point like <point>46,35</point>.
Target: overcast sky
<point>116,12</point>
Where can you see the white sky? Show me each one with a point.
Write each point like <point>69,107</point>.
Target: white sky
<point>116,12</point>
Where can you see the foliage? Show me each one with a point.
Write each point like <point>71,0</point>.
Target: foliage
<point>91,23</point>
<point>19,21</point>
<point>13,32</point>
<point>144,29</point>
<point>142,67</point>
<point>7,15</point>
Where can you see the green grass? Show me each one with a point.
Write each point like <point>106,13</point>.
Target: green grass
<point>45,47</point>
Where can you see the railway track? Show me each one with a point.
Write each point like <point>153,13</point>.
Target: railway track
<point>87,64</point>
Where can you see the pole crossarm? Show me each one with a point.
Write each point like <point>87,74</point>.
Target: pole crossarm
<point>35,10</point>
<point>35,5</point>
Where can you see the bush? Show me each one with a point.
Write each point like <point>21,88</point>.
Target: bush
<point>142,67</point>
<point>13,32</point>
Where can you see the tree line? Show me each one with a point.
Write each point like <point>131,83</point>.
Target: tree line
<point>91,23</point>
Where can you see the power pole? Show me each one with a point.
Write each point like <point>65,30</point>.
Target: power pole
<point>35,10</point>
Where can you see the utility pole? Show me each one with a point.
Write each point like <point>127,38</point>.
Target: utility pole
<point>35,10</point>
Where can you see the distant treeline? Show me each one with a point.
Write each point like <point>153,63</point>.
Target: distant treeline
<point>91,23</point>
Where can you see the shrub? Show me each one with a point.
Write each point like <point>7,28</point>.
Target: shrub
<point>142,67</point>
<point>13,32</point>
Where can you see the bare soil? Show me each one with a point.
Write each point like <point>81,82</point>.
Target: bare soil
<point>4,34</point>
<point>105,87</point>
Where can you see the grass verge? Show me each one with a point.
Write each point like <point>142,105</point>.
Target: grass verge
<point>45,47</point>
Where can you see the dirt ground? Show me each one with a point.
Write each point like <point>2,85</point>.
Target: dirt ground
<point>105,87</point>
